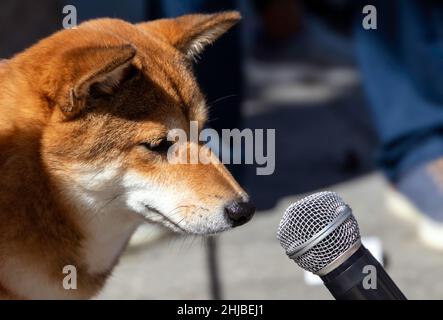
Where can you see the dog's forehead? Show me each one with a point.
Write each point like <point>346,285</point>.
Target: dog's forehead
<point>172,84</point>
<point>177,96</point>
<point>164,97</point>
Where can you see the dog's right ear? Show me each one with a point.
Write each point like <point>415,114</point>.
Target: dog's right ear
<point>84,67</point>
<point>191,33</point>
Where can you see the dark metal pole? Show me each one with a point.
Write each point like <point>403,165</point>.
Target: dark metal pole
<point>213,268</point>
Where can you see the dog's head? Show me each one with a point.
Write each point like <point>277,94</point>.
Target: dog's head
<point>115,91</point>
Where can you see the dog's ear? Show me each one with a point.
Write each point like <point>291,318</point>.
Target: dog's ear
<point>192,33</point>
<point>85,67</point>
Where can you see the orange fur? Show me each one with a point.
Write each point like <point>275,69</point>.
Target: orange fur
<point>88,97</point>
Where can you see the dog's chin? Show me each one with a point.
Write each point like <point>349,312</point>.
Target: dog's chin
<point>202,227</point>
<point>205,230</point>
<point>198,228</point>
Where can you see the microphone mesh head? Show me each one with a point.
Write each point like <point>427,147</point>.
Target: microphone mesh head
<point>306,219</point>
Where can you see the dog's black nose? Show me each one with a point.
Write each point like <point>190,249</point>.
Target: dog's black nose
<point>239,212</point>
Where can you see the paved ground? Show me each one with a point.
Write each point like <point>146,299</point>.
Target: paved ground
<point>253,265</point>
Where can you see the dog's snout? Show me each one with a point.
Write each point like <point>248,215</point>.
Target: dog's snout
<point>239,212</point>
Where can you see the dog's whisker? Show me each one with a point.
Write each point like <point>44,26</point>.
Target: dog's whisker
<point>212,103</point>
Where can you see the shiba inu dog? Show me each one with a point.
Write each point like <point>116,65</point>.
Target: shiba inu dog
<point>84,116</point>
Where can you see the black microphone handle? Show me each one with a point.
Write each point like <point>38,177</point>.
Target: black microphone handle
<point>346,281</point>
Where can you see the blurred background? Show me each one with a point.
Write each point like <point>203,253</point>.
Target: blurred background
<point>356,110</point>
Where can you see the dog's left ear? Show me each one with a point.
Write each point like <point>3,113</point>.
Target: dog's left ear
<point>86,67</point>
<point>192,33</point>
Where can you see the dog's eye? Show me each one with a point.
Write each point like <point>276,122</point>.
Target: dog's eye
<point>160,146</point>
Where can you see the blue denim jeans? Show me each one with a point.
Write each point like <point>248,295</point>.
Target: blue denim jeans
<point>402,70</point>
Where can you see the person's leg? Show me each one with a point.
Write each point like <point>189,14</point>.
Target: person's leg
<point>402,71</point>
<point>409,120</point>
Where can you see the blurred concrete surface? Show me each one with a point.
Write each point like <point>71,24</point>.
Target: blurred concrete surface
<point>253,265</point>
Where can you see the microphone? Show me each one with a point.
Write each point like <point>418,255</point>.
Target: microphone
<point>321,235</point>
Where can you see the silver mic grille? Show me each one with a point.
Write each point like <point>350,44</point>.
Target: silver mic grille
<point>317,230</point>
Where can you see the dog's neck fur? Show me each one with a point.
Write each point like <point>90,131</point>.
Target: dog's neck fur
<point>58,235</point>
<point>50,231</point>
